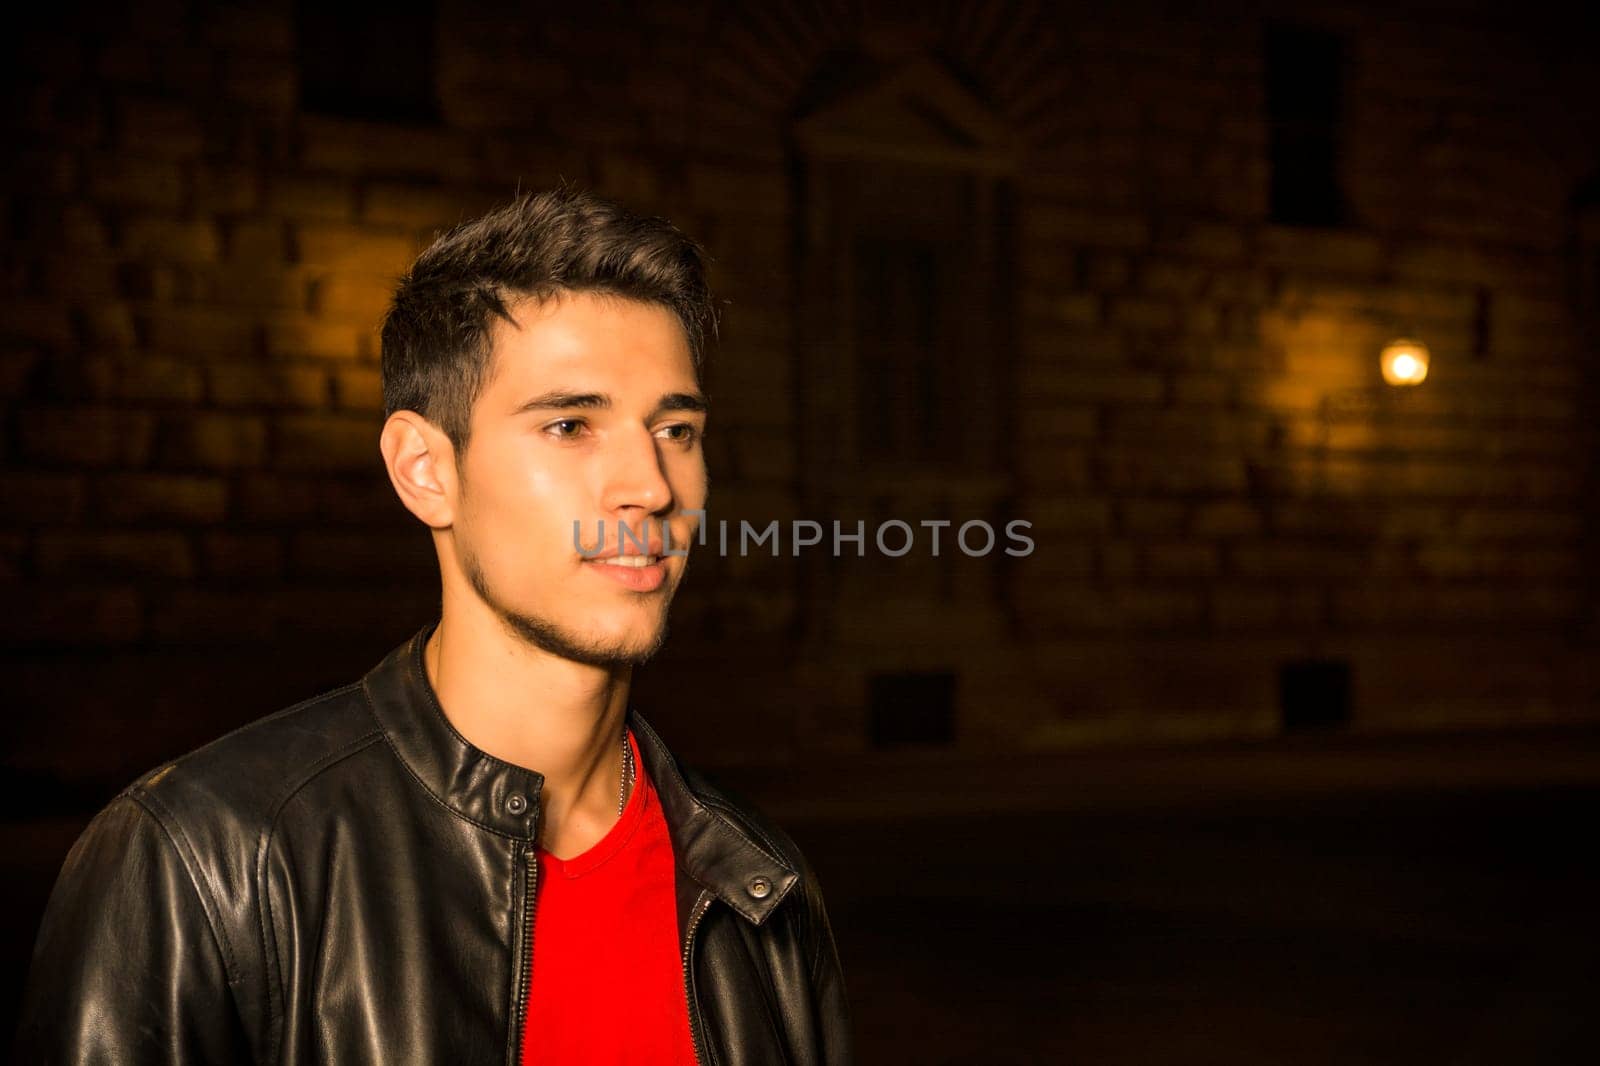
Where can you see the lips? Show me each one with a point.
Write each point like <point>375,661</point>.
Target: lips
<point>629,552</point>
<point>637,564</point>
<point>640,573</point>
<point>630,560</point>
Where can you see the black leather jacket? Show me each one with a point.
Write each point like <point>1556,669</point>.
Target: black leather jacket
<point>347,881</point>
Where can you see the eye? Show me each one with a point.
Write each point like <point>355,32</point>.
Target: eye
<point>681,432</point>
<point>566,428</point>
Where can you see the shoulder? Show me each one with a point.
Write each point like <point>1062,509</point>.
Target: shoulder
<point>808,913</point>
<point>177,851</point>
<point>751,819</point>
<point>237,782</point>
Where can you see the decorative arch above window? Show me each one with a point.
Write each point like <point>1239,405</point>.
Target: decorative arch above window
<point>904,193</point>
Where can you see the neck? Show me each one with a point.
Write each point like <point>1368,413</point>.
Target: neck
<point>539,711</point>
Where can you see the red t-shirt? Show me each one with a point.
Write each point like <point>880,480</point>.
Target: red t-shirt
<point>607,979</point>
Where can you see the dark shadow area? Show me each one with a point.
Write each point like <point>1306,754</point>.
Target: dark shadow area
<point>1382,926</point>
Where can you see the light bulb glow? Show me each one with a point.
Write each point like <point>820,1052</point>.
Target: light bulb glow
<point>1404,362</point>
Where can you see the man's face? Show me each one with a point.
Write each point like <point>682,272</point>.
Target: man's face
<point>592,414</point>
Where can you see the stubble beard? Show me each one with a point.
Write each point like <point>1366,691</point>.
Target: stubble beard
<point>556,639</point>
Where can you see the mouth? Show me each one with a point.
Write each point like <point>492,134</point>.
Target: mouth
<point>634,562</point>
<point>634,572</point>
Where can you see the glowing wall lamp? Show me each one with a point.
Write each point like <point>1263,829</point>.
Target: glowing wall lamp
<point>1405,362</point>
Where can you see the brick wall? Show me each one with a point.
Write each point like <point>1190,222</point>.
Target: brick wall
<point>198,528</point>
<point>1211,433</point>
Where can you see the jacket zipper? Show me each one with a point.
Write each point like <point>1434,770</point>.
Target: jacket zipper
<point>695,1038</point>
<point>530,883</point>
<point>529,901</point>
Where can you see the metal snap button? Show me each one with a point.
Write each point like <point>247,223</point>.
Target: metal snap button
<point>516,803</point>
<point>759,887</point>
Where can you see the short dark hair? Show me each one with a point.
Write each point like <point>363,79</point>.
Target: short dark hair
<point>435,348</point>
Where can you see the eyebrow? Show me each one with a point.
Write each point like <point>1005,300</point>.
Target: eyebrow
<point>560,400</point>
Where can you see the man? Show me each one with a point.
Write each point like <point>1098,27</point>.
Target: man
<point>476,853</point>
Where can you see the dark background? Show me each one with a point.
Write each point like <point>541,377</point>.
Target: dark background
<point>1282,746</point>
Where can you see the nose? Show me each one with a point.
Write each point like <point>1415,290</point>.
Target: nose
<point>634,480</point>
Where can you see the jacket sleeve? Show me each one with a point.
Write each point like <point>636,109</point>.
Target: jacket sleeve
<point>127,967</point>
<point>827,982</point>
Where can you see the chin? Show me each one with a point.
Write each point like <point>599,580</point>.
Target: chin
<point>635,645</point>
<point>616,655</point>
<point>627,636</point>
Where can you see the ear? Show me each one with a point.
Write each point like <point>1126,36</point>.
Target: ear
<point>422,467</point>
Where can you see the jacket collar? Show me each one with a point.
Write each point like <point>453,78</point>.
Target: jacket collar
<point>709,846</point>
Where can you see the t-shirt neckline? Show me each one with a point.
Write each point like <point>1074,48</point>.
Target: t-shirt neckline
<point>617,836</point>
